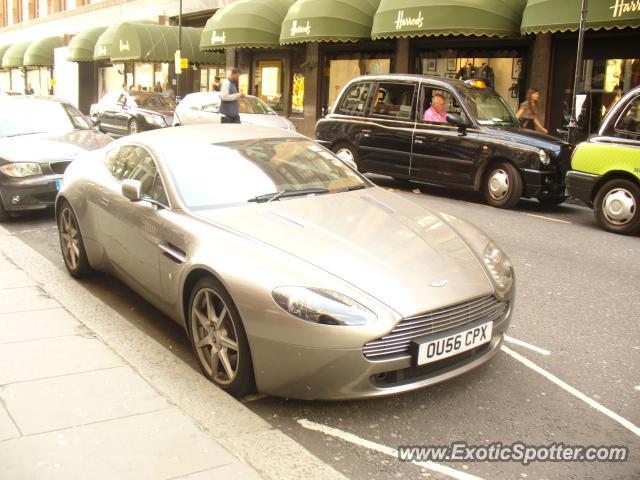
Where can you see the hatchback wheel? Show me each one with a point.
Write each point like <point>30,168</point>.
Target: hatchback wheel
<point>617,207</point>
<point>133,127</point>
<point>503,185</point>
<point>71,243</point>
<point>218,338</point>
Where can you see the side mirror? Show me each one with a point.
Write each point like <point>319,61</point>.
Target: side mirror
<point>132,189</point>
<point>456,119</point>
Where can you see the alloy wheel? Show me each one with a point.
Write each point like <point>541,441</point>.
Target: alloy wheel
<point>619,206</point>
<point>215,337</point>
<point>70,238</point>
<point>345,154</point>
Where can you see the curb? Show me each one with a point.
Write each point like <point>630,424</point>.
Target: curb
<point>274,455</point>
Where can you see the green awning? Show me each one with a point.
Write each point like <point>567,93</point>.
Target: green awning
<point>328,21</point>
<point>564,15</point>
<point>40,52</point>
<point>146,42</point>
<point>415,18</point>
<point>246,23</point>
<point>81,46</point>
<point>3,48</point>
<point>14,55</point>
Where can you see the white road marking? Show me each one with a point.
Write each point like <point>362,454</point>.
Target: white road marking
<point>545,218</point>
<point>376,447</point>
<point>576,393</point>
<point>515,341</point>
<point>638,388</point>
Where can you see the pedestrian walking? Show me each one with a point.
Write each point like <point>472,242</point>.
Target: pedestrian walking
<point>216,84</point>
<point>229,95</point>
<point>158,87</point>
<point>528,112</point>
<point>29,90</point>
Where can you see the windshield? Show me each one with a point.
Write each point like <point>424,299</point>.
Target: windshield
<point>30,116</point>
<point>489,108</point>
<point>235,173</point>
<point>146,100</point>
<point>254,105</point>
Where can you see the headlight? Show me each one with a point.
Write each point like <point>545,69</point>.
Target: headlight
<point>155,119</point>
<point>21,169</point>
<point>500,268</point>
<point>544,157</point>
<point>322,306</point>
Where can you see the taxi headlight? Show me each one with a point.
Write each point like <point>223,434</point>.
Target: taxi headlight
<point>500,268</point>
<point>544,157</point>
<point>21,169</point>
<point>322,306</point>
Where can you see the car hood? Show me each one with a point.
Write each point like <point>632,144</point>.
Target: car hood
<point>48,147</point>
<point>526,137</point>
<point>275,121</point>
<point>380,243</point>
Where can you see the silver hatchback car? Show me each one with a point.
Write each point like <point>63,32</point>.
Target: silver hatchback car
<point>291,273</point>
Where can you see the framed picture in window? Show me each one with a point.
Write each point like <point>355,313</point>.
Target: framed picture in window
<point>516,68</point>
<point>452,64</point>
<point>432,65</point>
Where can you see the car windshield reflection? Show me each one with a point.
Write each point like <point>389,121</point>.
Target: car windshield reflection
<point>33,116</point>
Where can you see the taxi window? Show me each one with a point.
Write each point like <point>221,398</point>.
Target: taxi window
<point>629,121</point>
<point>354,101</point>
<point>436,104</point>
<point>394,100</point>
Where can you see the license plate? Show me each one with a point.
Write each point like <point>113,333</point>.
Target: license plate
<point>431,350</point>
<point>58,184</point>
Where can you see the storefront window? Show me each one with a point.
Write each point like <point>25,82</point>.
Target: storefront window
<point>340,68</point>
<point>17,80</point>
<point>17,12</point>
<point>33,9</point>
<point>144,73</point>
<point>54,6</point>
<point>268,83</point>
<point>208,76</point>
<point>5,81</point>
<point>605,82</point>
<point>297,81</point>
<point>503,71</point>
<point>3,13</point>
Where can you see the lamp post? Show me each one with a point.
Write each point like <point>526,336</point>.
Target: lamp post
<point>573,122</point>
<point>179,75</point>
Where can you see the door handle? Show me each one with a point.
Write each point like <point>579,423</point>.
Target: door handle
<point>420,140</point>
<point>366,133</point>
<point>105,202</point>
<point>173,253</point>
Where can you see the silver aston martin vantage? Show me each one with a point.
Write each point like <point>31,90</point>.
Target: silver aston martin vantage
<point>292,274</point>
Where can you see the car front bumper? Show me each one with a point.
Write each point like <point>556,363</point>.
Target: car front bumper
<point>542,183</point>
<point>29,193</point>
<point>581,185</point>
<point>307,373</point>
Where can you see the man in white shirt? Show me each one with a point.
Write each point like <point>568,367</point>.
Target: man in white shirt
<point>229,95</point>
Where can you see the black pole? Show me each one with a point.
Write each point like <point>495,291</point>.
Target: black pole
<point>573,122</point>
<point>179,76</point>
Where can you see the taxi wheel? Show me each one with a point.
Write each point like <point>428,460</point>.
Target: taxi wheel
<point>346,151</point>
<point>4,215</point>
<point>617,207</point>
<point>503,185</point>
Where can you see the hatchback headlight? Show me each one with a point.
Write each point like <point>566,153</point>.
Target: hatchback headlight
<point>322,306</point>
<point>21,169</point>
<point>500,268</point>
<point>544,157</point>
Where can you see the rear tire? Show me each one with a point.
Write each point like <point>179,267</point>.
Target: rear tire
<point>550,202</point>
<point>503,185</point>
<point>71,243</point>
<point>218,338</point>
<point>346,151</point>
<point>617,207</point>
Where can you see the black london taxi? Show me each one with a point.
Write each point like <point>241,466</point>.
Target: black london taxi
<point>387,125</point>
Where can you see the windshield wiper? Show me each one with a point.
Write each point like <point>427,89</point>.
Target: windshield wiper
<point>270,197</point>
<point>352,188</point>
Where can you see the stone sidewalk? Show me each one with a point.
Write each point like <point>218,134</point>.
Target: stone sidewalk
<point>99,399</point>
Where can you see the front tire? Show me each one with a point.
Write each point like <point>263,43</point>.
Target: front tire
<point>617,207</point>
<point>218,338</point>
<point>132,128</point>
<point>347,152</point>
<point>71,243</point>
<point>503,185</point>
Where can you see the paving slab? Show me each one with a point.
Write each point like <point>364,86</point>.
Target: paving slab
<point>73,400</point>
<point>235,471</point>
<point>25,299</point>
<point>165,444</point>
<point>53,357</point>
<point>7,427</point>
<point>23,326</point>
<point>15,278</point>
